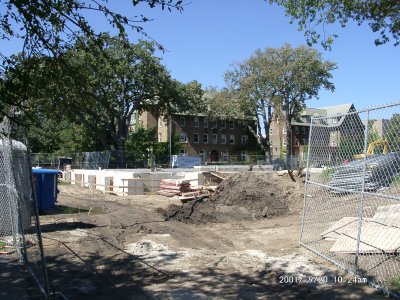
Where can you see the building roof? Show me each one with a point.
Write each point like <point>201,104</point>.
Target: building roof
<point>338,111</point>
<point>335,110</point>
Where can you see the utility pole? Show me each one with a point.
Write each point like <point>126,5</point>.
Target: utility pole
<point>170,139</point>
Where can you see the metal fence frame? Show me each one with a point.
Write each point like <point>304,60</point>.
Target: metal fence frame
<point>327,202</point>
<point>20,226</point>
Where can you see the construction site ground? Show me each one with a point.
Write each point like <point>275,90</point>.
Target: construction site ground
<point>100,246</point>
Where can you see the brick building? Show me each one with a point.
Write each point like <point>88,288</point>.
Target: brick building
<point>214,140</point>
<point>300,129</point>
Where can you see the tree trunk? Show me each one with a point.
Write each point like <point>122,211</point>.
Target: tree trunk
<point>288,135</point>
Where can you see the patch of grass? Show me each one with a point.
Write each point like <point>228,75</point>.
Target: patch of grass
<point>395,180</point>
<point>394,284</point>
<point>327,174</point>
<point>2,246</point>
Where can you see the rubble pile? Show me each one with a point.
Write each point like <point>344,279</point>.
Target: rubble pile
<point>243,196</point>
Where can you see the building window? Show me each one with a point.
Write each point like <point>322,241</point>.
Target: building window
<point>334,121</point>
<point>223,124</point>
<point>183,137</point>
<point>183,152</point>
<point>182,122</point>
<point>214,139</point>
<point>284,142</point>
<point>214,124</point>
<point>243,155</point>
<point>232,139</point>
<point>284,130</point>
<point>270,131</point>
<point>225,155</point>
<point>205,138</point>
<point>196,121</point>
<point>205,123</point>
<point>296,129</point>
<point>333,143</point>
<point>223,138</point>
<point>244,139</point>
<point>203,155</point>
<point>196,138</point>
<point>303,130</point>
<point>231,124</point>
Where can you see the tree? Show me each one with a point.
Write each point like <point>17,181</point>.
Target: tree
<point>61,137</point>
<point>143,142</point>
<point>101,83</point>
<point>276,82</point>
<point>52,26</point>
<point>295,76</point>
<point>249,82</point>
<point>382,16</point>
<point>49,28</point>
<point>393,133</point>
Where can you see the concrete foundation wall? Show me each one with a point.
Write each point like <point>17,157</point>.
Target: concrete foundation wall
<point>140,181</point>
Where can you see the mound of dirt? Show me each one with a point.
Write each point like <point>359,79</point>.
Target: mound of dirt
<point>244,196</point>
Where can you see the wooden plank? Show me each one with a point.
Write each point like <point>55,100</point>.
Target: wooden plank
<point>218,174</point>
<point>388,215</point>
<point>375,238</point>
<point>168,194</point>
<point>333,232</point>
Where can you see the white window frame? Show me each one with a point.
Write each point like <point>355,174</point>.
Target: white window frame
<point>205,138</point>
<point>223,124</point>
<point>214,124</point>
<point>183,152</point>
<point>232,139</point>
<point>284,130</point>
<point>284,143</point>
<point>194,138</point>
<point>244,139</point>
<point>181,135</point>
<point>334,120</point>
<point>196,122</point>
<point>223,138</point>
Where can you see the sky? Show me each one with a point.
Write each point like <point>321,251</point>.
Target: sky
<point>209,35</point>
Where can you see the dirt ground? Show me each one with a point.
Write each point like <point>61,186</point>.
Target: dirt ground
<point>101,246</point>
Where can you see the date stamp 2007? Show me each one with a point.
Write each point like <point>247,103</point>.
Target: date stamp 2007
<point>291,279</point>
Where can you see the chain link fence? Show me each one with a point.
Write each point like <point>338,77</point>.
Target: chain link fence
<point>132,160</point>
<point>351,212</point>
<point>19,220</point>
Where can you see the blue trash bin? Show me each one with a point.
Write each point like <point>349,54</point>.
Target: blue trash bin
<point>46,187</point>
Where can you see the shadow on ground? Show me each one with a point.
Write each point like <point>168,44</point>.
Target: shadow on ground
<point>121,275</point>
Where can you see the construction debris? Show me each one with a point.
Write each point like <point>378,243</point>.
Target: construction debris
<point>380,169</point>
<point>244,196</point>
<point>379,234</point>
<point>173,187</point>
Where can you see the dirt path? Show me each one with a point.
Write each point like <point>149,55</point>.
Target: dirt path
<point>124,249</point>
